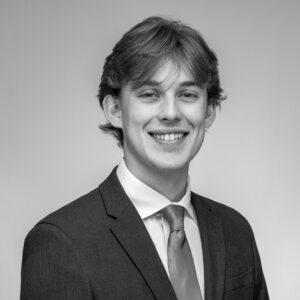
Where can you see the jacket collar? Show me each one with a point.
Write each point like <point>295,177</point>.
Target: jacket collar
<point>213,248</point>
<point>130,231</point>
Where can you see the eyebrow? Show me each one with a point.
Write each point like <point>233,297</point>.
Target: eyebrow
<point>188,83</point>
<point>181,84</point>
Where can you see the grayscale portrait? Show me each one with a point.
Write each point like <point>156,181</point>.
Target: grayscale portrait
<point>150,150</point>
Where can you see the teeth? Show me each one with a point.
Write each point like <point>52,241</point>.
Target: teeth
<point>168,136</point>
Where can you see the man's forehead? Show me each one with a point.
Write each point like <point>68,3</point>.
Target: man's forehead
<point>167,74</point>
<point>171,70</point>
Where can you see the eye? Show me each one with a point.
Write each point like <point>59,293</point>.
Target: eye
<point>149,95</point>
<point>188,96</point>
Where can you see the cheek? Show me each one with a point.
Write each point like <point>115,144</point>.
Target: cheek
<point>128,117</point>
<point>195,116</point>
<point>139,115</point>
<point>194,109</point>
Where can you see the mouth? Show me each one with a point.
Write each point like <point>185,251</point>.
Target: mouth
<point>168,136</point>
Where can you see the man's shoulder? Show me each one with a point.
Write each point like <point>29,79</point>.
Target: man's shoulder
<point>89,213</point>
<point>236,230</point>
<point>76,208</point>
<point>224,213</point>
<point>76,217</point>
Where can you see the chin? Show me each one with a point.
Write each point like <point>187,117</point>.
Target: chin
<point>169,164</point>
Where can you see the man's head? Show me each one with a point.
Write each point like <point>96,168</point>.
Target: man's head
<point>145,48</point>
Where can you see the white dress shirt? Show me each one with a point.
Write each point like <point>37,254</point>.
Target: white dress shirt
<point>148,203</point>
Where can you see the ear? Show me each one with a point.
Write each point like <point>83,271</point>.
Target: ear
<point>210,115</point>
<point>112,111</point>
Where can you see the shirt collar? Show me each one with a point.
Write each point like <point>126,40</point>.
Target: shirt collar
<point>146,200</point>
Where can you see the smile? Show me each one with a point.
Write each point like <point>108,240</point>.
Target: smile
<point>168,137</point>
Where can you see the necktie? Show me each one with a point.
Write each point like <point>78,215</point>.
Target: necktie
<point>180,261</point>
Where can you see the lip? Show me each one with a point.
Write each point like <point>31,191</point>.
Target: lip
<point>168,131</point>
<point>170,137</point>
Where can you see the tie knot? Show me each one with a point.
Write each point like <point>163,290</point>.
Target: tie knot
<point>174,216</point>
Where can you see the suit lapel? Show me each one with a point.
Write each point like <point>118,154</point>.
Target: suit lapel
<point>213,249</point>
<point>130,231</point>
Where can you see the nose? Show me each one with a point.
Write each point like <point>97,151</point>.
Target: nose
<point>169,110</point>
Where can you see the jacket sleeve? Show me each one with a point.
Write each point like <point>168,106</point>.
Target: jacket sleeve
<point>260,290</point>
<point>51,267</point>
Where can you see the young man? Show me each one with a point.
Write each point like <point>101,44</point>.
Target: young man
<point>142,234</point>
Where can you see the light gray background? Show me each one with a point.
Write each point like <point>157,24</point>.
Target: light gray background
<point>52,152</point>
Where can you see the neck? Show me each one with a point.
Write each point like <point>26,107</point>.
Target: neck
<point>170,183</point>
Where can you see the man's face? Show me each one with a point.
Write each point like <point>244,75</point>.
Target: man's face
<point>164,121</point>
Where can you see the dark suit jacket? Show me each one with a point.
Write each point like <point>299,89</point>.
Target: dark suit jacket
<point>97,247</point>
